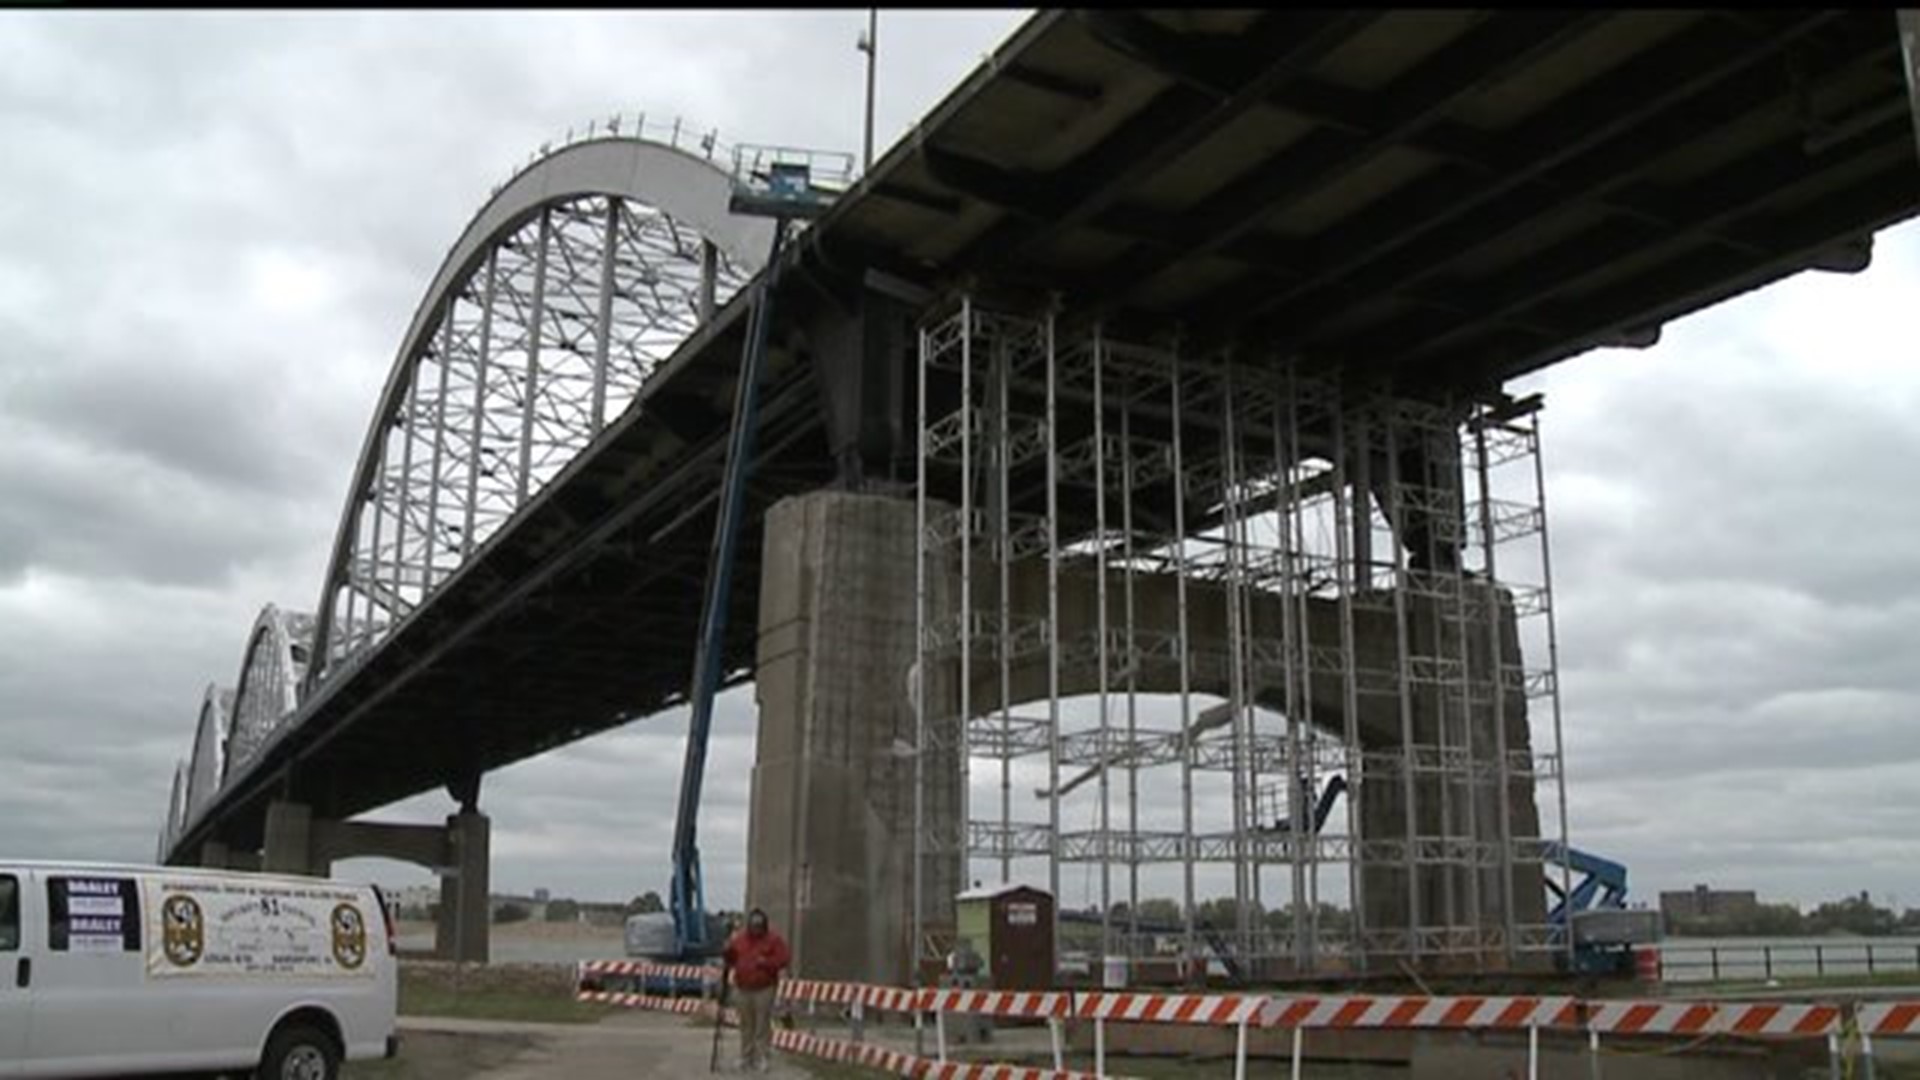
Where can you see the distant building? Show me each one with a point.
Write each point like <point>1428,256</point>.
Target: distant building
<point>541,896</point>
<point>1703,903</point>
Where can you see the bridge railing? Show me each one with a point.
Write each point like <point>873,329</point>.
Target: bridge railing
<point>829,167</point>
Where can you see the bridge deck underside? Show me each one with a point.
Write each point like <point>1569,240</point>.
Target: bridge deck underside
<point>1445,199</point>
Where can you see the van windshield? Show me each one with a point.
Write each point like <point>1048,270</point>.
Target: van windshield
<point>9,914</point>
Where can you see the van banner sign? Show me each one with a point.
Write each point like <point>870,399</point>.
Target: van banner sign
<point>93,914</point>
<point>231,927</point>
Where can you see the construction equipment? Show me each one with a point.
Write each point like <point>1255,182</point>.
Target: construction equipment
<point>1317,819</point>
<point>779,187</point>
<point>1604,930</point>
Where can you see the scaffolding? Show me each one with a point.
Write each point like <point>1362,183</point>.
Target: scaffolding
<point>1194,600</point>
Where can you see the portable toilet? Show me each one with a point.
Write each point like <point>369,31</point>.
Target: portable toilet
<point>1011,927</point>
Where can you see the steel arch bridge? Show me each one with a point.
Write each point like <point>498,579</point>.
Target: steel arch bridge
<point>552,315</point>
<point>1442,199</point>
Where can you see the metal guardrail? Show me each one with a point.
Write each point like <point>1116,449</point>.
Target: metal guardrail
<point>1721,963</point>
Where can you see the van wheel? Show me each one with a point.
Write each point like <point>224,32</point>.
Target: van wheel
<point>300,1052</point>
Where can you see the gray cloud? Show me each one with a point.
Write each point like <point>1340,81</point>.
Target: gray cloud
<point>216,227</point>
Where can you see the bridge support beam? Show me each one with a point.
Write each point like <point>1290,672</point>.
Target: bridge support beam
<point>463,929</point>
<point>299,843</point>
<point>289,847</point>
<point>215,855</point>
<point>830,833</point>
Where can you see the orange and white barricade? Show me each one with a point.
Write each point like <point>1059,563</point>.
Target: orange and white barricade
<point>1402,1012</point>
<point>1680,1019</point>
<point>1238,1011</point>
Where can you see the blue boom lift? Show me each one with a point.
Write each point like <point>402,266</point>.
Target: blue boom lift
<point>784,192</point>
<point>1604,930</point>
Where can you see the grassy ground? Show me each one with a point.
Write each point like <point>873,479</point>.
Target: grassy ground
<point>499,994</point>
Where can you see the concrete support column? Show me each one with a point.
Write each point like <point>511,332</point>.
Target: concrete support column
<point>463,930</point>
<point>216,855</point>
<point>830,834</point>
<point>289,841</point>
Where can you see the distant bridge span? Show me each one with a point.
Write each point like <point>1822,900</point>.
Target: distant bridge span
<point>1445,200</point>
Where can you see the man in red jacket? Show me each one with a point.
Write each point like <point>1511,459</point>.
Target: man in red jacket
<point>756,956</point>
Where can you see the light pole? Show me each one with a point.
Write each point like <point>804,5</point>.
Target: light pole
<point>869,43</point>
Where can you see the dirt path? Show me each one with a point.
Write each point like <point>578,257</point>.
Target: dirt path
<point>627,1045</point>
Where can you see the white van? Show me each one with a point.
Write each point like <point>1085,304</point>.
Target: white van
<point>110,970</point>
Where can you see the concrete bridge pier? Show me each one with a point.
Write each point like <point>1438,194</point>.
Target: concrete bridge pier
<point>830,836</point>
<point>298,843</point>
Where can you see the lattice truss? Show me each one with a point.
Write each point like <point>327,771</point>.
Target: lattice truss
<point>1316,605</point>
<point>545,337</point>
<point>547,340</point>
<point>235,725</point>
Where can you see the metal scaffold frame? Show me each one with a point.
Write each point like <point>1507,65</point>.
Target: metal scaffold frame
<point>1134,530</point>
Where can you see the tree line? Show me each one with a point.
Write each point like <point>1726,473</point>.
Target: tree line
<point>1851,915</point>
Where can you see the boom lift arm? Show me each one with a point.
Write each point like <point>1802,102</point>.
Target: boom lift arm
<point>688,901</point>
<point>785,191</point>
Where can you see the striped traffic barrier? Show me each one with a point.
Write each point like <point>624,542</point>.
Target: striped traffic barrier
<point>814,990</point>
<point>1752,1019</point>
<point>1012,1004</point>
<point>1459,1013</point>
<point>1889,1018</point>
<point>1298,1013</point>
<point>1212,1010</point>
<point>641,1001</point>
<point>908,1065</point>
<point>643,968</point>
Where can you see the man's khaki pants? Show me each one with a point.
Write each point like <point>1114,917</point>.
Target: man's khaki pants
<point>756,1026</point>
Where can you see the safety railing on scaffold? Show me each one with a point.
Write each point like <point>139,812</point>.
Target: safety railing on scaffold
<point>1848,1030</point>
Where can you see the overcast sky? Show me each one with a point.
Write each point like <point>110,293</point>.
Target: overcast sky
<point>213,230</point>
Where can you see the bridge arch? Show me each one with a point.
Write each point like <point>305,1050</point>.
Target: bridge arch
<point>271,672</point>
<point>548,314</point>
<point>177,804</point>
<point>206,768</point>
